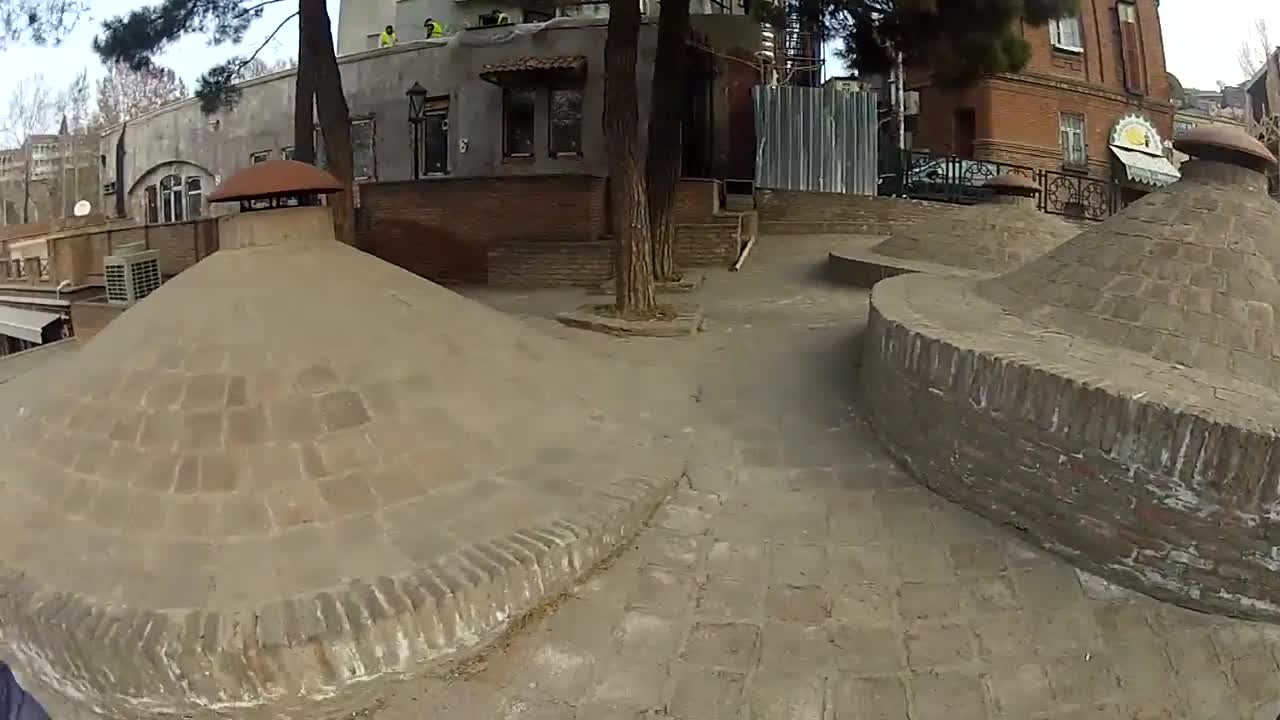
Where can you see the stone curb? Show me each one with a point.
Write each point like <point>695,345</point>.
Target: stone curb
<point>683,285</point>
<point>863,268</point>
<point>688,322</point>
<point>310,656</point>
<point>1156,498</point>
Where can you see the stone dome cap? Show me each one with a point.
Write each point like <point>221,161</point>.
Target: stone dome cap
<point>1187,275</point>
<point>1227,144</point>
<point>1013,184</point>
<point>275,178</point>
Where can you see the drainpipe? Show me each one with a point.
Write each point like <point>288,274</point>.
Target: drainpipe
<point>899,103</point>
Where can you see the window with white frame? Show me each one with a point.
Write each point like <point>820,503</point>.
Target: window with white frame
<point>1071,137</point>
<point>1065,33</point>
<point>172,202</point>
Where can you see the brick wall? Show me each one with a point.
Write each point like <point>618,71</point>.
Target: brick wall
<point>89,317</point>
<point>789,212</point>
<point>78,256</point>
<point>443,229</point>
<point>697,200</point>
<point>550,264</point>
<point>1017,115</point>
<point>707,245</point>
<point>1171,503</point>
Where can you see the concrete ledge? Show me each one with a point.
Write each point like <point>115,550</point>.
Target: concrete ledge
<point>311,656</point>
<point>687,322</point>
<point>864,268</point>
<point>1160,480</point>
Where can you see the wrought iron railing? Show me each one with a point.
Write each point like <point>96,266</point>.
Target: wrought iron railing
<point>925,176</point>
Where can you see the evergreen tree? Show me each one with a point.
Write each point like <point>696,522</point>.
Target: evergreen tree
<point>137,38</point>
<point>959,40</point>
<point>40,21</point>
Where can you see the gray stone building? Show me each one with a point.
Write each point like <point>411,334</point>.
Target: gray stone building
<point>512,100</point>
<point>176,154</point>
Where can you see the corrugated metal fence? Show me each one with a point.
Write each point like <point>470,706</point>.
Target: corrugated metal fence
<point>815,139</point>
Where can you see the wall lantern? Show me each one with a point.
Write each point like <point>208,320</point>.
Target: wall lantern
<point>417,102</point>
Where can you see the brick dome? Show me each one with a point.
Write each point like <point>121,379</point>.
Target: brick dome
<point>294,468</point>
<point>1188,274</point>
<point>1115,400</point>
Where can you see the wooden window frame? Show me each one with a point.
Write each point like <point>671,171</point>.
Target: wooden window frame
<point>1067,161</point>
<point>1055,35</point>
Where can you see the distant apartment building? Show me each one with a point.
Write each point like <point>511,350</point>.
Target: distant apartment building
<point>1093,101</point>
<point>49,174</point>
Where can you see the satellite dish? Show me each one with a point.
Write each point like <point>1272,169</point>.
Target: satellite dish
<point>82,208</point>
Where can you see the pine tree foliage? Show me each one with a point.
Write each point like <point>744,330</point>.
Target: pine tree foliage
<point>40,21</point>
<point>960,40</point>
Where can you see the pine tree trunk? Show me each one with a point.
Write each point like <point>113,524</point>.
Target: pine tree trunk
<point>335,117</point>
<point>665,142</point>
<point>304,102</point>
<point>630,216</point>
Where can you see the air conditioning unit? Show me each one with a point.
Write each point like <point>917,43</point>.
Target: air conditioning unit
<point>108,188</point>
<point>132,274</point>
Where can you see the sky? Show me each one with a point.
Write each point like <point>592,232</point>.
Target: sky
<point>189,58</point>
<point>1201,45</point>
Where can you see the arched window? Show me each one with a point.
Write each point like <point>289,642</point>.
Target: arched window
<point>172,201</point>
<point>195,198</point>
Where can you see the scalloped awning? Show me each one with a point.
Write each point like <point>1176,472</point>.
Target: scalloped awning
<point>1140,167</point>
<point>535,70</point>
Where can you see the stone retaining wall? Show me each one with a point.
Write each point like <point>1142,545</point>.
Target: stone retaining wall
<point>790,212</point>
<point>551,264</point>
<point>1166,502</point>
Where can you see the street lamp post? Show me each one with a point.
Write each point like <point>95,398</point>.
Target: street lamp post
<point>417,112</point>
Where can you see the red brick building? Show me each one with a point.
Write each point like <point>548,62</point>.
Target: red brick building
<point>1060,113</point>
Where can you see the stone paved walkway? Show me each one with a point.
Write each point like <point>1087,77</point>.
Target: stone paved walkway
<point>800,575</point>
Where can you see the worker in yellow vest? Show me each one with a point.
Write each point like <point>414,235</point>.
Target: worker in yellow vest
<point>388,37</point>
<point>432,29</point>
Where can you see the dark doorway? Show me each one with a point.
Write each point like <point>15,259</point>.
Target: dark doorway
<point>697,127</point>
<point>966,130</point>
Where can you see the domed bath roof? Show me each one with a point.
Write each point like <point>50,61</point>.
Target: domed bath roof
<point>294,468</point>
<point>977,241</point>
<point>1188,274</point>
<point>1116,399</point>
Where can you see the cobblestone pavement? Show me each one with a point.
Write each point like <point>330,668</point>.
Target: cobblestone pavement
<point>800,574</point>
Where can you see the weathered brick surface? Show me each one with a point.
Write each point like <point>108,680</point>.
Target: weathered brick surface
<point>991,237</point>
<point>250,497</point>
<point>808,213</point>
<point>1186,275</point>
<point>1163,486</point>
<point>442,229</point>
<point>710,245</point>
<point>89,318</point>
<point>551,264</point>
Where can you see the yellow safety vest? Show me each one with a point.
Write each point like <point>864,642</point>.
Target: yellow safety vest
<point>386,39</point>
<point>434,30</point>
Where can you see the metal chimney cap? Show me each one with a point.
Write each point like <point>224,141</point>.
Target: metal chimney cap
<point>1013,184</point>
<point>1226,144</point>
<point>275,178</point>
